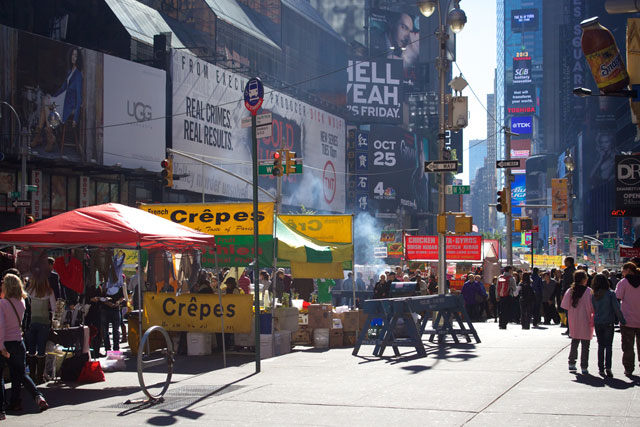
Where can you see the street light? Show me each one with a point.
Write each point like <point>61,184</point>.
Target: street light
<point>456,20</point>
<point>570,165</point>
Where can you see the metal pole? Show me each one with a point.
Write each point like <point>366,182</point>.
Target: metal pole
<point>507,180</point>
<point>532,251</point>
<point>256,271</point>
<point>202,175</point>
<point>140,299</point>
<point>570,209</point>
<point>443,66</point>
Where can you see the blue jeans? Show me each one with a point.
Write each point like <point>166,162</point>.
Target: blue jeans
<point>16,364</point>
<point>37,336</point>
<point>604,333</point>
<point>110,316</point>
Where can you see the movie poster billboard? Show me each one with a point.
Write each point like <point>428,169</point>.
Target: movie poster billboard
<point>389,175</point>
<point>208,110</point>
<point>112,110</point>
<point>627,184</point>
<point>395,35</point>
<point>374,90</point>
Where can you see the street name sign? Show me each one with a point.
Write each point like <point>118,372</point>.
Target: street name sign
<point>441,166</point>
<point>502,164</point>
<point>267,169</point>
<point>458,189</point>
<point>261,119</point>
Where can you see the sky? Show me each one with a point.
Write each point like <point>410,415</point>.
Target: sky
<point>476,57</point>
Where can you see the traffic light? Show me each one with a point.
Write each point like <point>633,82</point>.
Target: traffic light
<point>167,172</point>
<point>290,162</point>
<point>503,201</point>
<point>29,219</point>
<point>526,224</point>
<point>517,226</point>
<point>277,164</point>
<point>549,240</point>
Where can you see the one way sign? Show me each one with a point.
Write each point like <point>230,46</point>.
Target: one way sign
<point>441,166</point>
<point>503,164</point>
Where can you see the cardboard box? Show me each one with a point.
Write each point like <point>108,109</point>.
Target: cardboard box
<point>335,338</point>
<point>349,339</point>
<point>320,316</point>
<point>266,346</point>
<point>350,320</point>
<point>283,342</point>
<point>302,336</point>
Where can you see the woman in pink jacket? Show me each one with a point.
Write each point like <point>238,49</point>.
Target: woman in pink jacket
<point>577,302</point>
<point>12,350</point>
<point>628,292</point>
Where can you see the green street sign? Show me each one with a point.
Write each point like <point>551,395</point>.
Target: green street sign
<point>266,169</point>
<point>460,189</point>
<point>14,195</point>
<point>32,188</point>
<point>609,243</point>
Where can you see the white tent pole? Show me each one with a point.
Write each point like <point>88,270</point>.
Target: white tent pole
<point>224,346</point>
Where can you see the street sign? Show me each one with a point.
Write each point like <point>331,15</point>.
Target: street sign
<point>380,252</point>
<point>535,229</point>
<point>14,194</point>
<point>266,169</point>
<point>21,203</point>
<point>253,95</point>
<point>609,243</point>
<point>502,164</point>
<point>629,252</point>
<point>261,119</point>
<point>458,189</point>
<point>441,166</point>
<point>264,131</point>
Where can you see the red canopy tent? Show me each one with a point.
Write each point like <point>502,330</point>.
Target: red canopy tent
<point>110,225</point>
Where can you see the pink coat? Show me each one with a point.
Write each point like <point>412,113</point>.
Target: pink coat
<point>580,316</point>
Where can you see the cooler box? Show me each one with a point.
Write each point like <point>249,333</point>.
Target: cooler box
<point>283,342</point>
<point>285,319</point>
<point>199,344</point>
<point>266,346</point>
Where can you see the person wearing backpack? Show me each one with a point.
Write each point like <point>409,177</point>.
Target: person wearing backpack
<point>42,303</point>
<point>606,311</point>
<point>505,292</point>
<point>577,302</point>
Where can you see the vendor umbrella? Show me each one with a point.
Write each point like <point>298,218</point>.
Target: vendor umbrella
<point>110,225</point>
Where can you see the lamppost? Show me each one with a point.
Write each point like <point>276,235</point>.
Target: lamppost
<point>570,165</point>
<point>53,120</point>
<point>456,20</point>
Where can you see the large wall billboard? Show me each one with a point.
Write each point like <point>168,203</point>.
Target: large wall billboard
<point>396,35</point>
<point>374,92</point>
<point>207,115</point>
<point>112,110</point>
<point>389,175</point>
<point>524,20</point>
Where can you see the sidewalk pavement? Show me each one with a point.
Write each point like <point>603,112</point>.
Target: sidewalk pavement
<point>514,377</point>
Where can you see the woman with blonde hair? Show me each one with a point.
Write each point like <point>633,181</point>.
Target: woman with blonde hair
<point>42,303</point>
<point>12,350</point>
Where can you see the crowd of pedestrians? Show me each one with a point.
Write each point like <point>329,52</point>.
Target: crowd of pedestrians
<point>577,298</point>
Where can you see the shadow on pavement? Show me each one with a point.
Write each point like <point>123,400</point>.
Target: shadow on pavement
<point>172,416</point>
<point>193,365</point>
<point>63,394</point>
<point>594,381</point>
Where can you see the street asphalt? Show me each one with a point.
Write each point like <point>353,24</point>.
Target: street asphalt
<point>514,377</point>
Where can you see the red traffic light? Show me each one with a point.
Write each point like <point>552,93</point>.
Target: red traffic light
<point>276,155</point>
<point>164,163</point>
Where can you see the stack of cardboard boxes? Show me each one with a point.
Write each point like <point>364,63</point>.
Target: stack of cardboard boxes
<point>341,328</point>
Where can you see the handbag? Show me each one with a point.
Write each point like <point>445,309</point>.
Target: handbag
<point>91,373</point>
<point>72,367</point>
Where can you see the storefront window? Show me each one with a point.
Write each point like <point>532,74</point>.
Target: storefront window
<point>7,185</point>
<point>115,193</point>
<point>46,192</point>
<point>102,192</point>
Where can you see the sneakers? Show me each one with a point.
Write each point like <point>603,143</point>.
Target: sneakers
<point>609,373</point>
<point>572,368</point>
<point>585,372</point>
<point>2,416</point>
<point>42,404</point>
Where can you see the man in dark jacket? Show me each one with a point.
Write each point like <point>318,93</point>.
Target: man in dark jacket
<point>548,299</point>
<point>567,279</point>
<point>536,284</point>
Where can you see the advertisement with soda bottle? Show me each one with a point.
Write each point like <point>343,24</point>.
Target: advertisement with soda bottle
<point>603,56</point>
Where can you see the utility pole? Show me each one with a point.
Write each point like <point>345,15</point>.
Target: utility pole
<point>507,180</point>
<point>443,66</point>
